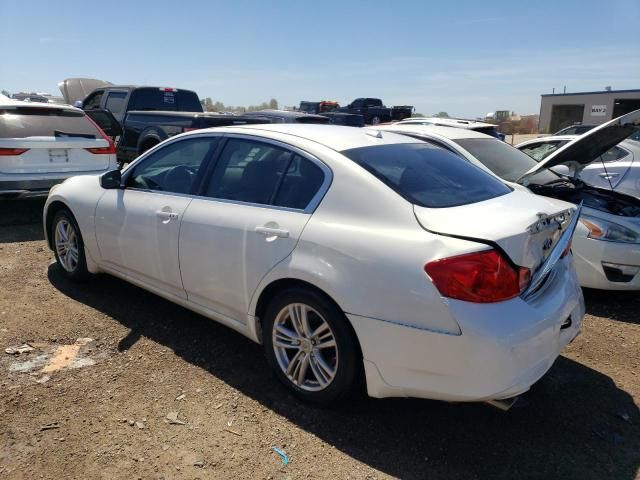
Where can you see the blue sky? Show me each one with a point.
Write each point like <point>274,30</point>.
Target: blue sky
<point>464,57</point>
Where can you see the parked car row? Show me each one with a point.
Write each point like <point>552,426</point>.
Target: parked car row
<point>417,260</point>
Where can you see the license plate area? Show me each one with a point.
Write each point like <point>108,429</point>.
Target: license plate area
<point>58,155</point>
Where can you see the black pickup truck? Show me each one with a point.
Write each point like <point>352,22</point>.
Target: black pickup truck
<point>145,116</point>
<point>374,111</point>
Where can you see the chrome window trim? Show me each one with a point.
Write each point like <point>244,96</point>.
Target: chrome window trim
<point>309,209</point>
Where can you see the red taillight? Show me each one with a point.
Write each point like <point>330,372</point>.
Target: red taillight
<point>189,129</point>
<point>109,149</point>
<point>12,151</point>
<point>167,89</point>
<point>481,277</point>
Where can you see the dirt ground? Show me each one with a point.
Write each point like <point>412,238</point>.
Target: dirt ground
<point>123,384</point>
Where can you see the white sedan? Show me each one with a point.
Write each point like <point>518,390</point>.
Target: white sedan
<point>607,240</point>
<point>42,144</point>
<point>350,255</point>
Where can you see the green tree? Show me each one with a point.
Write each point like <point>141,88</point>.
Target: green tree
<point>6,94</point>
<point>273,104</point>
<point>441,115</point>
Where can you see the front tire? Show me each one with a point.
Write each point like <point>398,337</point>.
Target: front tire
<point>375,120</point>
<point>311,347</point>
<point>68,246</point>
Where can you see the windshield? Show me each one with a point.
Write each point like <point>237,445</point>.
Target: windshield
<point>504,160</point>
<point>540,151</point>
<point>428,175</point>
<point>308,107</point>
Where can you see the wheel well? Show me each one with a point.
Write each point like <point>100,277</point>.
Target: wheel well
<point>286,283</point>
<point>54,208</point>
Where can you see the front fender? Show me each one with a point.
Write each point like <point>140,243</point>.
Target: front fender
<point>79,195</point>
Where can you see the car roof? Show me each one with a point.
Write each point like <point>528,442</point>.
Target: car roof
<point>12,103</point>
<point>336,137</point>
<point>449,122</point>
<point>452,133</point>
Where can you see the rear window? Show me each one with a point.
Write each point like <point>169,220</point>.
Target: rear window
<point>428,175</point>
<point>504,160</point>
<point>25,122</point>
<point>159,99</point>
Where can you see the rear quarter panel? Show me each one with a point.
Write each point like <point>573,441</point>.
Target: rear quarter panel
<point>364,247</point>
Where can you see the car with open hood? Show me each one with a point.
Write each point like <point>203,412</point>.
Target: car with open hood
<point>355,258</point>
<point>617,169</point>
<point>607,240</point>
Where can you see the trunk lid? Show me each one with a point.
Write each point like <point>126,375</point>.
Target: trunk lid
<point>580,152</point>
<point>526,227</point>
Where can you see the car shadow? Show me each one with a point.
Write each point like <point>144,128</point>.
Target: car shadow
<point>575,423</point>
<point>21,220</point>
<point>617,305</point>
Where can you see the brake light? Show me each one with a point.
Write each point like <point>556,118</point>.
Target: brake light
<point>189,129</point>
<point>480,277</point>
<point>109,149</point>
<point>166,89</point>
<point>12,151</point>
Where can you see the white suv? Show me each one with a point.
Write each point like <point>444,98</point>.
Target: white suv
<point>41,144</point>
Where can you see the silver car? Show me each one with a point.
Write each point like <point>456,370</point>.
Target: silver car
<point>617,169</point>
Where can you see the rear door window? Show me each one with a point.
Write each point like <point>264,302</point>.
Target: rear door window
<point>115,102</point>
<point>428,175</point>
<point>26,122</point>
<point>256,172</point>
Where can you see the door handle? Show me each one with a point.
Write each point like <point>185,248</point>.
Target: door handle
<point>166,216</point>
<point>609,175</point>
<point>272,232</point>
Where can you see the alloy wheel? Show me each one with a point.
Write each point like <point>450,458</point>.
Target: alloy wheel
<point>66,242</point>
<point>305,347</point>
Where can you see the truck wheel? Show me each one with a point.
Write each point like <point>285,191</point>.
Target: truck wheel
<point>375,120</point>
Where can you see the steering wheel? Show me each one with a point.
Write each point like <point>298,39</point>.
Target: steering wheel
<point>179,179</point>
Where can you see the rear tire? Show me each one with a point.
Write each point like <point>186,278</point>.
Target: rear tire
<point>375,120</point>
<point>68,246</point>
<point>310,346</point>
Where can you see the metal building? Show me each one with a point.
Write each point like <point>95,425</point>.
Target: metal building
<point>561,110</point>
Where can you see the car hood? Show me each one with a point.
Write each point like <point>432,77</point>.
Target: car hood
<point>583,150</point>
<point>75,89</point>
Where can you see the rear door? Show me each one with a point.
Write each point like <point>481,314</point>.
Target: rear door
<point>609,170</point>
<point>247,219</point>
<point>53,140</point>
<point>138,226</point>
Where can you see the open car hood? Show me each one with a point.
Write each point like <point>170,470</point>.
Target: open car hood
<point>580,152</point>
<point>74,89</point>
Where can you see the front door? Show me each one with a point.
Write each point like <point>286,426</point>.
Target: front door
<point>138,226</point>
<point>258,200</point>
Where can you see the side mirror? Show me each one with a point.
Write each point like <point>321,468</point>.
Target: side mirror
<point>77,104</point>
<point>111,180</point>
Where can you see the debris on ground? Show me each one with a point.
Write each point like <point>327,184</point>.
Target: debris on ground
<point>50,426</point>
<point>232,431</point>
<point>18,349</point>
<point>173,419</point>
<point>181,396</point>
<point>282,454</point>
